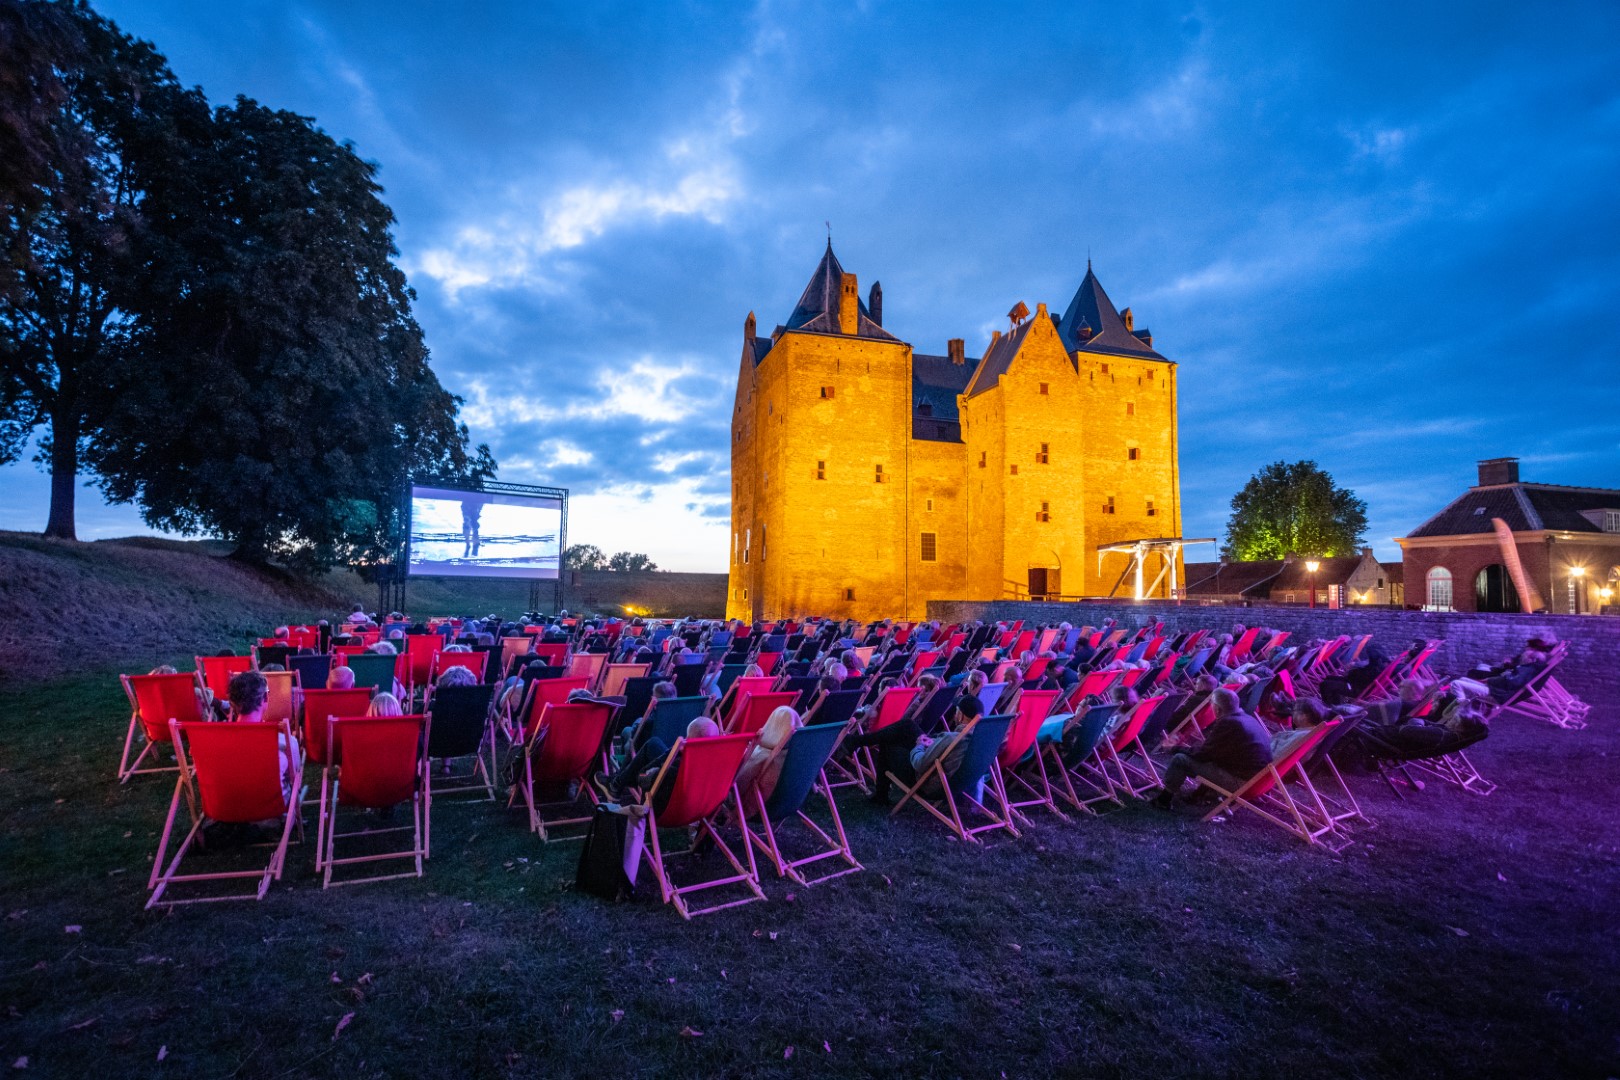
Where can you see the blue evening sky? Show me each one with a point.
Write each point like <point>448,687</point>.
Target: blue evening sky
<point>1382,236</point>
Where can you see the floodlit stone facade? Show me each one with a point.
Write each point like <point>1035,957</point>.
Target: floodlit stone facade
<point>868,479</point>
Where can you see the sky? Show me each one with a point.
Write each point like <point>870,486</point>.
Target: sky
<point>1384,237</point>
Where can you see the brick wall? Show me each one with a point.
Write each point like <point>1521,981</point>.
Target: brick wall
<point>1592,670</point>
<point>662,593</point>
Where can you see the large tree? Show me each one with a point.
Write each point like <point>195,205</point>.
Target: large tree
<point>77,95</point>
<point>584,557</point>
<point>276,388</point>
<point>626,560</point>
<point>1294,507</point>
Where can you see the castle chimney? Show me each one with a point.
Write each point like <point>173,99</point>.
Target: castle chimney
<point>748,329</point>
<point>1130,320</point>
<point>957,348</point>
<point>849,307</point>
<point>874,302</point>
<point>1040,311</point>
<point>1502,470</point>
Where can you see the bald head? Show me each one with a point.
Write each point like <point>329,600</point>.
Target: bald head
<point>1226,702</point>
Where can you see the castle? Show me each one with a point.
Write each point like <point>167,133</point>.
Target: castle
<point>868,478</point>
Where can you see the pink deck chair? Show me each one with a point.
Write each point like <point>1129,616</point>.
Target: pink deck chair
<point>233,773</point>
<point>377,762</point>
<point>700,777</point>
<point>154,700</point>
<point>562,753</point>
<point>418,656</point>
<point>767,661</point>
<point>1127,739</point>
<point>754,709</point>
<point>1018,762</point>
<point>740,688</point>
<point>1266,794</point>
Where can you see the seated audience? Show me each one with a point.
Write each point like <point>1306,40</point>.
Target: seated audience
<point>1233,749</point>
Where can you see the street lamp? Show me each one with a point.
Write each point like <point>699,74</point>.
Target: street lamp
<point>1575,574</point>
<point>1311,567</point>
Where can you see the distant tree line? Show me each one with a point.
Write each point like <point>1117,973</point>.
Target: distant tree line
<point>591,557</point>
<point>200,308</point>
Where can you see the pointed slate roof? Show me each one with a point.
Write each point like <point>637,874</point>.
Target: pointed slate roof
<point>1091,307</point>
<point>997,359</point>
<point>817,310</point>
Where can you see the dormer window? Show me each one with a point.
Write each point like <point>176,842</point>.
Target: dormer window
<point>925,409</point>
<point>1611,521</point>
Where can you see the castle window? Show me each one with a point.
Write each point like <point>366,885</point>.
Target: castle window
<point>770,408</point>
<point>849,594</point>
<point>821,470</point>
<point>1014,470</point>
<point>763,542</point>
<point>745,594</point>
<point>1133,453</point>
<point>1108,507</point>
<point>1104,369</point>
<point>1044,513</point>
<point>930,506</point>
<point>1045,389</point>
<point>748,542</point>
<point>925,409</point>
<point>981,458</point>
<point>1151,512</point>
<point>1130,408</point>
<point>877,477</point>
<point>930,546</point>
<point>1044,457</point>
<point>827,391</point>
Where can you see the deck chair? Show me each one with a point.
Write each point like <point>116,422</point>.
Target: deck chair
<point>419,651</point>
<point>1019,756</point>
<point>697,778</point>
<point>542,692</point>
<point>688,678</point>
<point>313,669</point>
<point>282,702</point>
<point>1544,697</point>
<point>1445,760</point>
<point>1078,759</point>
<point>276,653</point>
<point>560,756</point>
<point>614,676</point>
<point>754,709</point>
<point>587,666</point>
<point>216,671</point>
<point>154,700</point>
<point>374,671</point>
<point>474,662</point>
<point>889,708</point>
<point>732,700</point>
<point>805,756</point>
<point>231,773</point>
<point>461,726</point>
<point>1266,794</point>
<point>377,762</point>
<point>1127,739</point>
<point>554,653</point>
<point>767,661</point>
<point>671,715</point>
<point>980,740</point>
<point>511,649</point>
<point>990,696</point>
<point>804,689</point>
<point>1196,665</point>
<point>319,706</point>
<point>837,707</point>
<point>638,691</point>
<point>1336,796</point>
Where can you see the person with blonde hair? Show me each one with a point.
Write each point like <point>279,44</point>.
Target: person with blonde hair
<point>385,705</point>
<point>762,767</point>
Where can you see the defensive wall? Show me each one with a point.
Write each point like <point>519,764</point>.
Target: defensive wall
<point>1592,670</point>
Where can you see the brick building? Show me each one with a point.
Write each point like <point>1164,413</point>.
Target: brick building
<point>1339,581</point>
<point>861,468</point>
<point>1567,540</point>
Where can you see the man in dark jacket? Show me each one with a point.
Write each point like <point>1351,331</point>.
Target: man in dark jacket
<point>1235,747</point>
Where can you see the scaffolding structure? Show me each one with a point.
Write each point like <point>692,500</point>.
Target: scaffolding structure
<point>1168,548</point>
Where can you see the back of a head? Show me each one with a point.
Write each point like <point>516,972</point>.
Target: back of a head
<point>385,705</point>
<point>458,676</point>
<point>1226,702</point>
<point>340,678</point>
<point>970,707</point>
<point>778,726</point>
<point>247,692</point>
<point>665,689</point>
<point>702,728</point>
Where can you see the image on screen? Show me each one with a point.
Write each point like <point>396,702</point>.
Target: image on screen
<point>484,534</point>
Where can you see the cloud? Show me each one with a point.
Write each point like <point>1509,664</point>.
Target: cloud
<point>647,389</point>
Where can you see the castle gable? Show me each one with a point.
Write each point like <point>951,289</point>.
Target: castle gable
<point>818,309</point>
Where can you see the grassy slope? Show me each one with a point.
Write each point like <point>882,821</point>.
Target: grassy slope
<point>1136,944</point>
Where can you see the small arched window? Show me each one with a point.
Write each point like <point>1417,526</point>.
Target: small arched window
<point>1439,582</point>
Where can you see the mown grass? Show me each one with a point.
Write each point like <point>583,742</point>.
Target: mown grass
<point>1462,936</point>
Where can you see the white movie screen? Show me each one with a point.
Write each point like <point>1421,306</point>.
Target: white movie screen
<point>484,534</point>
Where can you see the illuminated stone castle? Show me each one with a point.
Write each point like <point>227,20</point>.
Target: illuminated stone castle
<point>868,479</point>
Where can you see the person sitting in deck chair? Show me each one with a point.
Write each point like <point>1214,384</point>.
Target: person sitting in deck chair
<point>249,692</point>
<point>902,747</point>
<point>340,678</point>
<point>760,769</point>
<point>1526,666</point>
<point>1234,748</point>
<point>642,768</point>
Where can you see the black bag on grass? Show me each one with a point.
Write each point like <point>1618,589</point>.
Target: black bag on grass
<point>614,833</point>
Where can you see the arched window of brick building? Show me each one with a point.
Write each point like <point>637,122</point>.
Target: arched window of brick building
<point>1439,582</point>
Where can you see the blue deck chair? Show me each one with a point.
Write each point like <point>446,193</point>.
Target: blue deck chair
<point>1077,758</point>
<point>1195,666</point>
<point>805,756</point>
<point>981,741</point>
<point>729,673</point>
<point>313,669</point>
<point>670,717</point>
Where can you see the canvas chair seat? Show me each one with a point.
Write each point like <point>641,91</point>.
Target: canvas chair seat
<point>945,796</point>
<point>699,777</point>
<point>377,762</point>
<point>154,701</point>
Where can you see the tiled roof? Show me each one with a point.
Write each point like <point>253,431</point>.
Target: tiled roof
<point>762,345</point>
<point>817,310</point>
<point>1092,308</point>
<point>1524,507</point>
<point>1232,578</point>
<point>997,359</point>
<point>935,382</point>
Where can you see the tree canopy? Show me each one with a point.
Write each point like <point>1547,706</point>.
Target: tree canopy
<point>584,557</point>
<point>204,309</point>
<point>624,560</point>
<point>1294,507</point>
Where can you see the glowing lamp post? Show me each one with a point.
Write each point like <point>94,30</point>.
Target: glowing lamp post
<point>1311,567</point>
<point>1576,573</point>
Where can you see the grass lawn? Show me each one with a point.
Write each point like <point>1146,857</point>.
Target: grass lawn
<point>1461,936</point>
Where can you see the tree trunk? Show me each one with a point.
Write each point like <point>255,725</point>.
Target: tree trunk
<point>64,473</point>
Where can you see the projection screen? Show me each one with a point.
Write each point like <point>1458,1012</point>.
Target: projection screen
<point>484,534</point>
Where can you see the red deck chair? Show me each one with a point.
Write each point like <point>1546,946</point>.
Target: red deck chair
<point>890,708</point>
<point>1018,757</point>
<point>1266,793</point>
<point>754,709</point>
<point>231,773</point>
<point>216,671</point>
<point>473,661</point>
<point>700,777</point>
<point>1240,651</point>
<point>1127,739</point>
<point>348,650</point>
<point>614,677</point>
<point>1276,643</point>
<point>154,700</point>
<point>767,661</point>
<point>740,688</point>
<point>1198,719</point>
<point>555,654</point>
<point>377,762</point>
<point>561,754</point>
<point>319,707</point>
<point>587,666</point>
<point>1094,685</point>
<point>1167,670</point>
<point>1152,651</point>
<point>542,692</point>
<point>418,656</point>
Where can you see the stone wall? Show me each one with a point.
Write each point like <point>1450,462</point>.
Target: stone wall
<point>1592,670</point>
